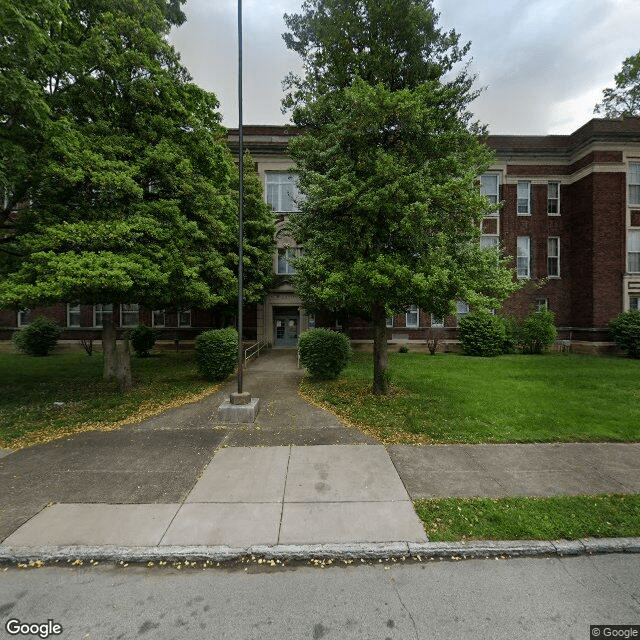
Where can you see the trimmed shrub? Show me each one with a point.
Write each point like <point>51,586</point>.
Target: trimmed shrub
<point>324,353</point>
<point>216,353</point>
<point>625,329</point>
<point>37,338</point>
<point>482,334</point>
<point>142,339</point>
<point>511,334</point>
<point>537,331</point>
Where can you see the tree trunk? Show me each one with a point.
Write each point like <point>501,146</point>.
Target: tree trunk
<point>117,356</point>
<point>380,375</point>
<point>123,373</point>
<point>109,347</point>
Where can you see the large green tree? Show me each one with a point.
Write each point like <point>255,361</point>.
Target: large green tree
<point>389,162</point>
<point>131,188</point>
<point>624,98</point>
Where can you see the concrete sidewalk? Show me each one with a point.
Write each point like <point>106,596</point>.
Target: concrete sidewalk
<point>185,480</point>
<point>251,496</point>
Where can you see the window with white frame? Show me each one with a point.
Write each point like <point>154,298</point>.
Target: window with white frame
<point>633,251</point>
<point>389,322</point>
<point>634,303</point>
<point>542,304</point>
<point>24,317</point>
<point>437,321</point>
<point>462,309</point>
<point>553,198</point>
<point>489,241</point>
<point>524,198</point>
<point>553,257</point>
<point>412,316</point>
<point>129,315</point>
<point>99,313</point>
<point>490,188</point>
<point>184,318</point>
<point>282,191</point>
<point>634,183</point>
<point>523,257</point>
<point>285,255</point>
<point>158,318</point>
<point>73,315</point>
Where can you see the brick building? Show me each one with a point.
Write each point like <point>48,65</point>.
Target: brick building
<point>570,219</point>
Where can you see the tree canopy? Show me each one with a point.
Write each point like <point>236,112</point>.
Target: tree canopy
<point>624,98</point>
<point>389,162</point>
<point>131,188</point>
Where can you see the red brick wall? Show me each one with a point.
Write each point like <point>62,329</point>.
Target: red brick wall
<point>609,237</point>
<point>580,254</point>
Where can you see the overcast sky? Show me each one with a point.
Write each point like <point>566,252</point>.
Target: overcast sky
<point>544,63</point>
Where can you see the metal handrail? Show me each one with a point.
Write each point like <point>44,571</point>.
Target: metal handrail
<point>253,350</point>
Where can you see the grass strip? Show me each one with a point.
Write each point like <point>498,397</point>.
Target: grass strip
<point>30,386</point>
<point>524,518</point>
<point>450,398</point>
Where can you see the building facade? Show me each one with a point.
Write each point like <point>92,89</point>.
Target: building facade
<point>570,219</point>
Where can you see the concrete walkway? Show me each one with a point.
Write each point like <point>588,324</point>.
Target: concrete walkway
<point>251,496</point>
<point>297,476</point>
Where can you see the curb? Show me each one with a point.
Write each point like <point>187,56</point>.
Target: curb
<point>474,549</point>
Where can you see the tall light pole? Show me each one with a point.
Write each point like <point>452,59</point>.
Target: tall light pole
<point>240,197</point>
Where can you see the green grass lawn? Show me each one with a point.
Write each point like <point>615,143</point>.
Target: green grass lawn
<point>29,386</point>
<point>516,398</point>
<point>556,518</point>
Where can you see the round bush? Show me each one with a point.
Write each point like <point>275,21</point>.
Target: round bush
<point>142,339</point>
<point>324,353</point>
<point>537,331</point>
<point>625,330</point>
<point>482,334</point>
<point>37,338</point>
<point>512,334</point>
<point>217,353</point>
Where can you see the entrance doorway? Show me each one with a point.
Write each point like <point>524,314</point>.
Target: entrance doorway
<point>286,321</point>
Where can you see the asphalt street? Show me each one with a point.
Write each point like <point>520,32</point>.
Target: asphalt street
<point>518,598</point>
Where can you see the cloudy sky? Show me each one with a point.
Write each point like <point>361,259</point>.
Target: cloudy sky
<point>544,63</point>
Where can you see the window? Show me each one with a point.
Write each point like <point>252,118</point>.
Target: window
<point>634,183</point>
<point>158,318</point>
<point>462,308</point>
<point>523,259</point>
<point>437,321</point>
<point>129,315</point>
<point>542,304</point>
<point>412,316</point>
<point>553,198</point>
<point>24,317</point>
<point>284,256</point>
<point>634,303</point>
<point>524,198</point>
<point>73,315</point>
<point>553,257</point>
<point>282,191</point>
<point>489,187</point>
<point>99,313</point>
<point>153,186</point>
<point>633,252</point>
<point>389,322</point>
<point>489,242</point>
<point>184,318</point>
